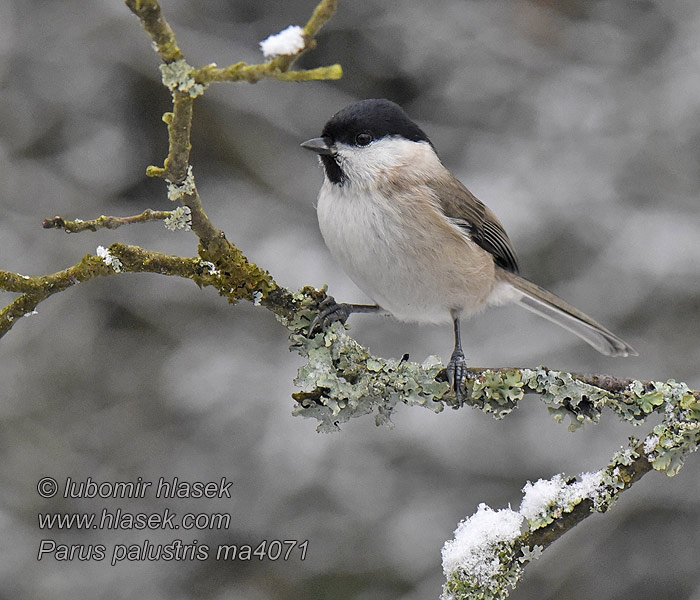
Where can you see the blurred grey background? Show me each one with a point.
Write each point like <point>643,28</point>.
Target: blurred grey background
<point>577,122</point>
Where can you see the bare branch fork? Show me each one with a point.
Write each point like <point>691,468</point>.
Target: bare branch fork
<point>236,278</point>
<point>341,379</point>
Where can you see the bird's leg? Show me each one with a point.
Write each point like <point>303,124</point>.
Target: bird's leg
<point>457,367</point>
<point>332,311</point>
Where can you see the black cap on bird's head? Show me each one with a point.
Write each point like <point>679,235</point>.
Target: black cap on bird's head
<point>359,125</point>
<point>378,118</point>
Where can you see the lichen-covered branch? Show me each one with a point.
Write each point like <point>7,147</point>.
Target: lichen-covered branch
<point>487,556</point>
<point>489,552</point>
<point>342,380</point>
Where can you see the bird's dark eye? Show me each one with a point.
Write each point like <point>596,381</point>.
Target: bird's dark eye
<point>363,139</point>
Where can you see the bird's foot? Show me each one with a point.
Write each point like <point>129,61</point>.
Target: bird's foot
<point>330,312</point>
<point>456,372</point>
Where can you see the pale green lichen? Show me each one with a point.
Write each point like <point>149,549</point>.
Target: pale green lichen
<point>626,456</point>
<point>530,555</point>
<point>341,380</point>
<point>186,188</point>
<point>679,432</point>
<point>178,75</point>
<point>580,401</point>
<point>180,218</point>
<point>497,392</point>
<point>109,259</point>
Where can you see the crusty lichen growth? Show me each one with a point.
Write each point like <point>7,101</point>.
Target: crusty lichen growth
<point>341,373</point>
<point>679,433</point>
<point>463,586</point>
<point>342,380</point>
<point>180,76</point>
<point>497,392</point>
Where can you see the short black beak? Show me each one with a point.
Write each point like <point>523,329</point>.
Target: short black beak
<point>318,145</point>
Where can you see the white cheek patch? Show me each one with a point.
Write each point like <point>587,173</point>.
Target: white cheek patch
<point>364,165</point>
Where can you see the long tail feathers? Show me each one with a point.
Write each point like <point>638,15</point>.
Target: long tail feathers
<point>547,305</point>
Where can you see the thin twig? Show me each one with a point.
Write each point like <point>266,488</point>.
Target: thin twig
<point>157,27</point>
<point>278,67</point>
<point>105,222</point>
<point>254,73</point>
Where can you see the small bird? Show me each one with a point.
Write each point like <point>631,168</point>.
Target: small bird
<point>415,239</point>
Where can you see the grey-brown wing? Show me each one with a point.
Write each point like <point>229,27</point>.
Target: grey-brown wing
<point>467,211</point>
